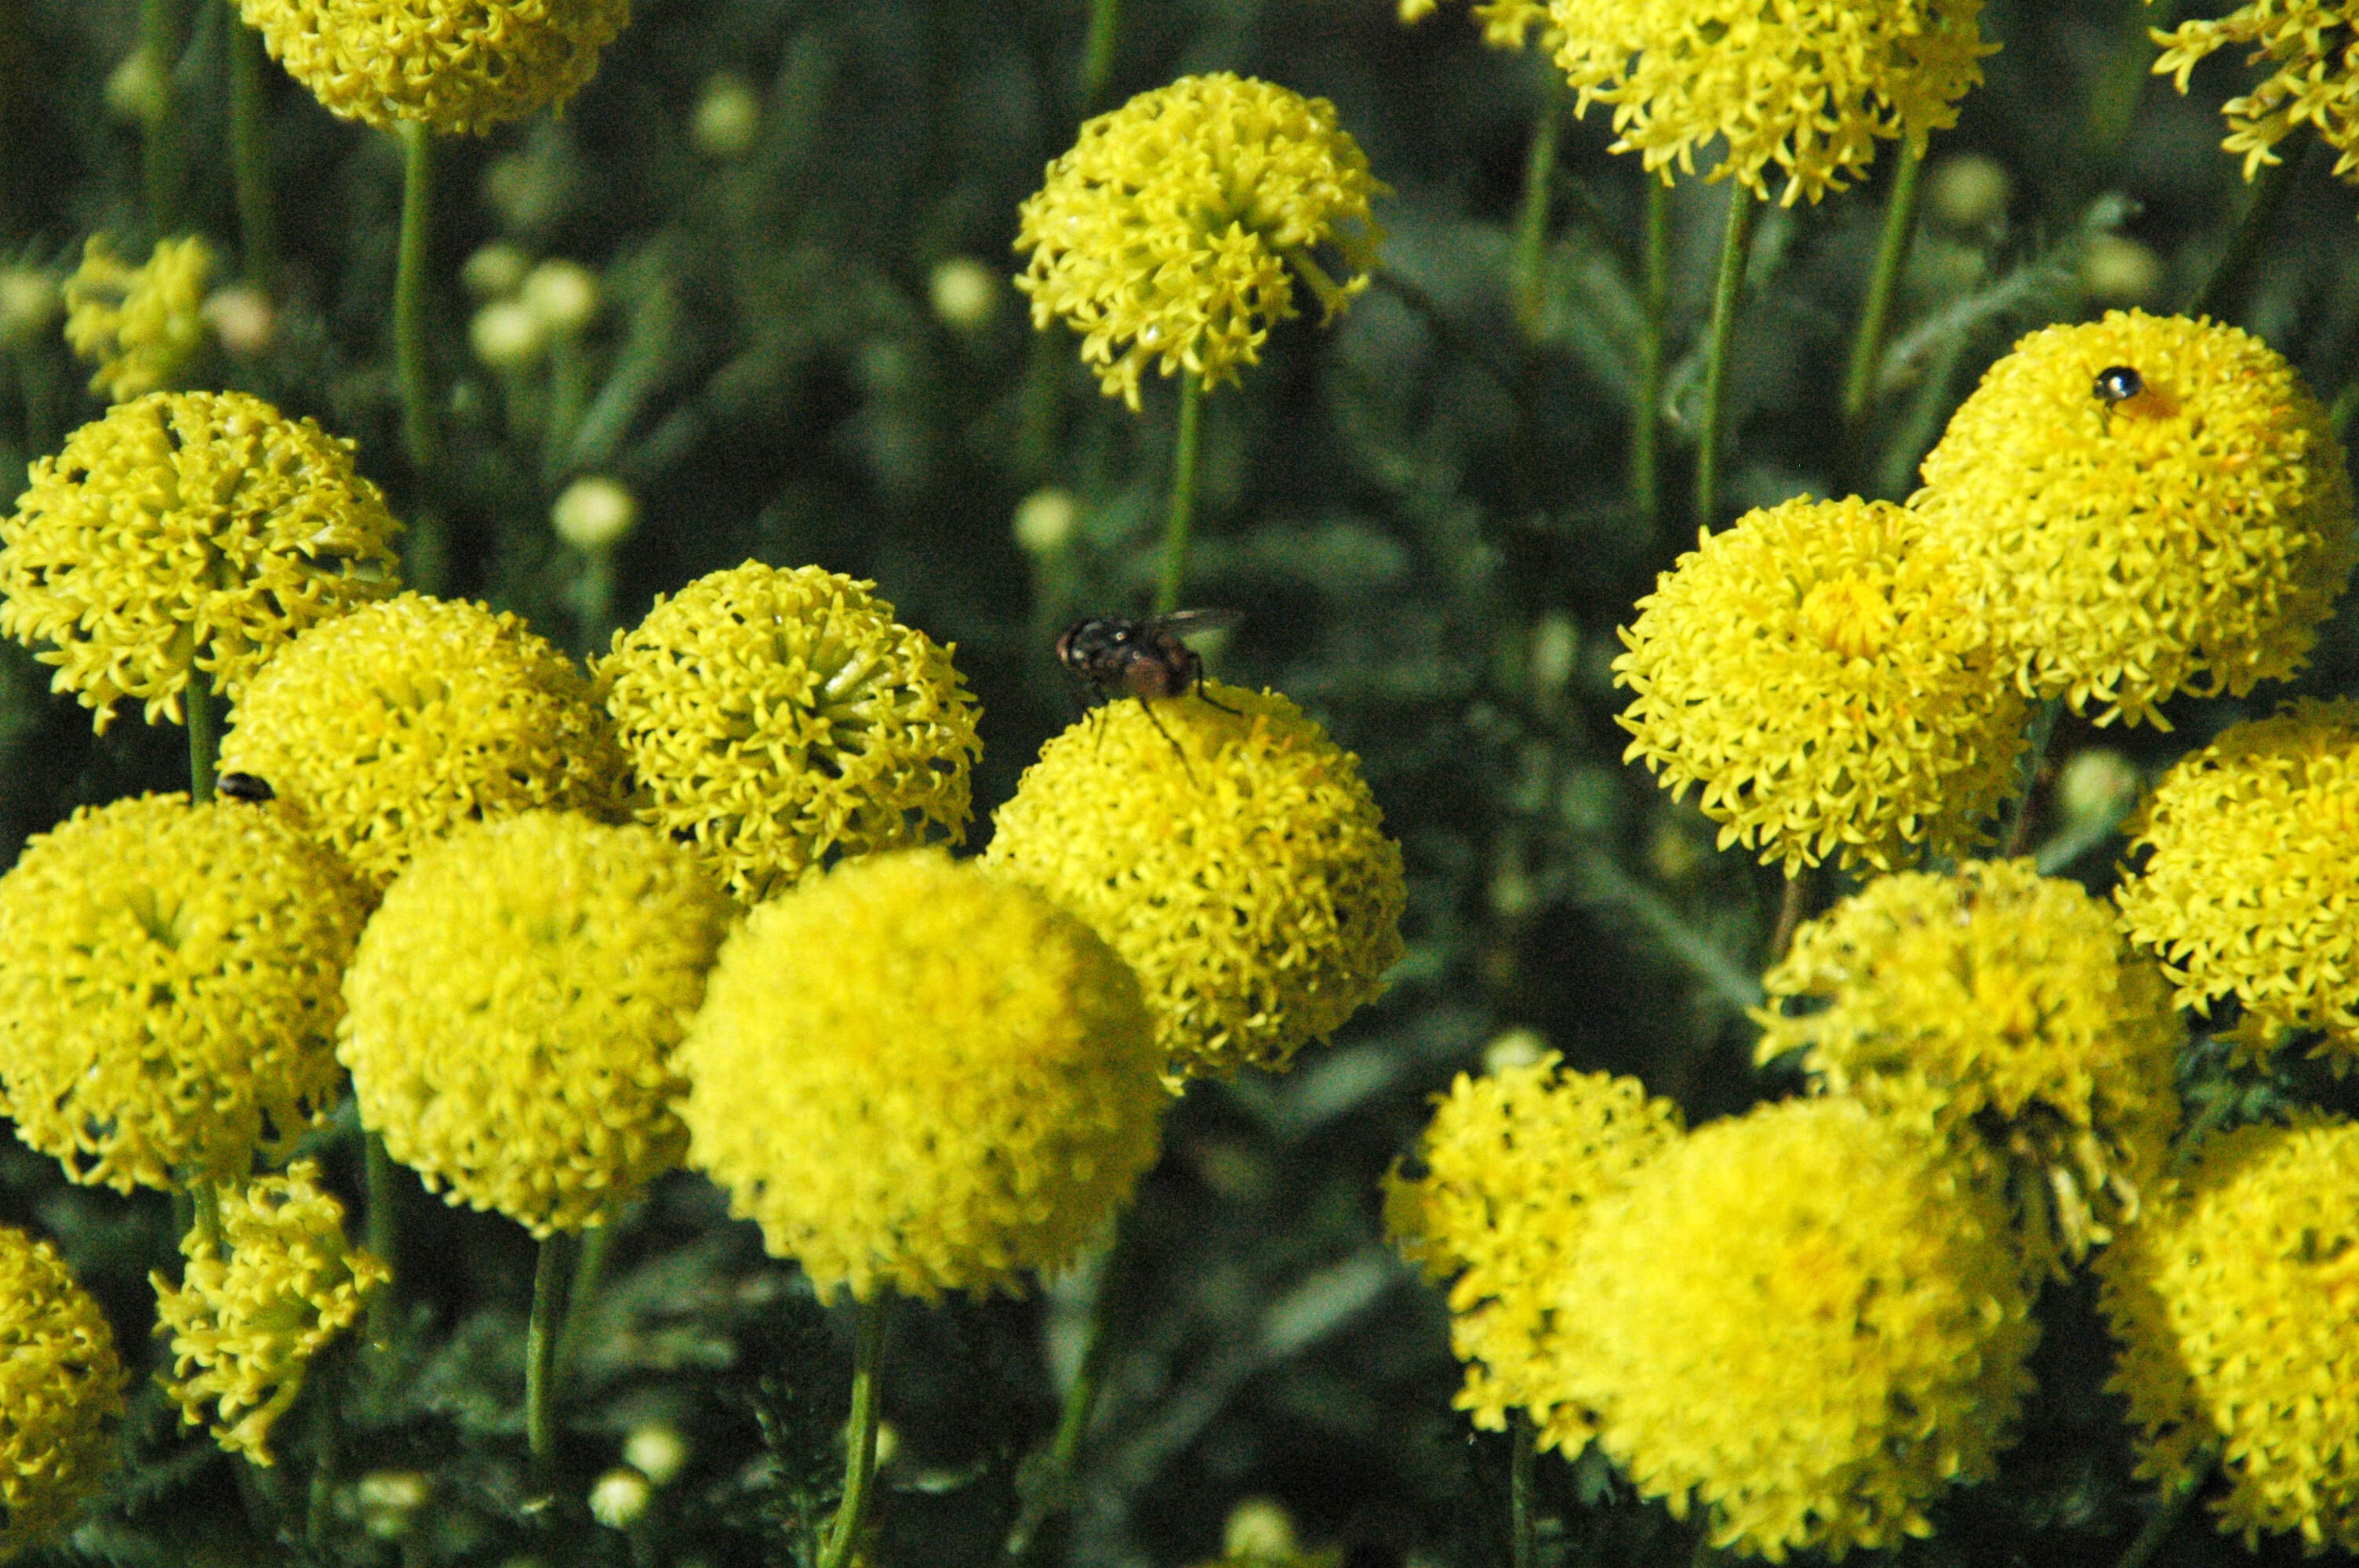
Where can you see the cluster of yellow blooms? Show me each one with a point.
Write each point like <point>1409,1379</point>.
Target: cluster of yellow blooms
<point>142,325</point>
<point>2313,44</point>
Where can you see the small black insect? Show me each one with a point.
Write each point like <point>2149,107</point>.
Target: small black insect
<point>1145,658</point>
<point>245,787</point>
<point>2117,384</point>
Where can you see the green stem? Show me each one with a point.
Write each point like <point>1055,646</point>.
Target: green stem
<point>1046,1492</point>
<point>383,1234</point>
<point>2115,103</point>
<point>2224,291</point>
<point>1097,54</point>
<point>860,1462</point>
<point>205,1220</point>
<point>249,136</point>
<point>159,44</point>
<point>1528,273</point>
<point>1183,492</point>
<point>1875,313</point>
<point>1792,904</point>
<point>2169,1509</point>
<point>597,1246</point>
<point>418,435</point>
<point>1647,429</point>
<point>1524,1543</point>
<point>2018,820</point>
<point>549,1278</point>
<point>1735,245</point>
<point>197,702</point>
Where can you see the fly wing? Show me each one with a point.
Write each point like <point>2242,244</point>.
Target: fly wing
<point>1192,623</point>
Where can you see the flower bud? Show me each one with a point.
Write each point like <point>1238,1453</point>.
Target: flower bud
<point>388,1499</point>
<point>2097,783</point>
<point>1044,521</point>
<point>965,294</point>
<point>29,304</point>
<point>728,117</point>
<point>594,514</point>
<point>496,271</point>
<point>1516,1048</point>
<point>619,1498</point>
<point>656,1450</point>
<point>2117,270</point>
<point>1969,191</point>
<point>135,89</point>
<point>562,294</point>
<point>506,335</point>
<point>244,320</point>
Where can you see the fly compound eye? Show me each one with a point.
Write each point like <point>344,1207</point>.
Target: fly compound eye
<point>2118,383</point>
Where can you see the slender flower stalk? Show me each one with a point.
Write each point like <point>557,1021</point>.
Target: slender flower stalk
<point>2169,1509</point>
<point>860,1460</point>
<point>1184,466</point>
<point>1524,1545</point>
<point>197,701</point>
<point>383,1235</point>
<point>2019,821</point>
<point>249,134</point>
<point>550,1277</point>
<point>1647,408</point>
<point>1530,263</point>
<point>419,436</point>
<point>161,26</point>
<point>1097,54</point>
<point>1875,313</point>
<point>1735,246</point>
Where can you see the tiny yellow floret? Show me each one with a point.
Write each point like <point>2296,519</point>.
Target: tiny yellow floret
<point>1813,669</point>
<point>1235,860</point>
<point>384,730</point>
<point>454,65</point>
<point>1808,86</point>
<point>1507,24</point>
<point>60,1393</point>
<point>515,1004</point>
<point>2236,1303</point>
<point>258,1302</point>
<point>2246,872</point>
<point>191,532</point>
<point>2313,47</point>
<point>2190,537</point>
<point>1172,233</point>
<point>781,718</point>
<point>143,326</point>
<point>2003,1008</point>
<point>1512,1161</point>
<point>168,996</point>
<point>1803,1322</point>
<point>913,1074</point>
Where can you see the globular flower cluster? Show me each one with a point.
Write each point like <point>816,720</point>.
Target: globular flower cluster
<point>914,1075</point>
<point>1803,1322</point>
<point>2248,870</point>
<point>1172,232</point>
<point>383,730</point>
<point>515,1004</point>
<point>1512,1161</point>
<point>2190,537</point>
<point>1808,86</point>
<point>1813,669</point>
<point>257,1300</point>
<point>60,1392</point>
<point>2313,47</point>
<point>187,536</point>
<point>2236,1303</point>
<point>454,65</point>
<point>779,718</point>
<point>168,996</point>
<point>1507,24</point>
<point>2002,1006</point>
<point>1233,856</point>
<point>142,325</point>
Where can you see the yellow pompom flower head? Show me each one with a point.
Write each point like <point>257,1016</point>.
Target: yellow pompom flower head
<point>168,996</point>
<point>143,326</point>
<point>1232,855</point>
<point>514,1006</point>
<point>1813,670</point>
<point>2313,49</point>
<point>451,65</point>
<point>60,1393</point>
<point>1173,232</point>
<point>2247,871</point>
<point>1807,86</point>
<point>781,718</point>
<point>384,730</point>
<point>913,1074</point>
<point>2001,1006</point>
<point>1512,1161</point>
<point>1804,1322</point>
<point>187,536</point>
<point>2141,505</point>
<point>260,1295</point>
<point>2236,1303</point>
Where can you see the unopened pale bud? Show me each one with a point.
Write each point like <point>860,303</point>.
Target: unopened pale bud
<point>727,118</point>
<point>619,1498</point>
<point>496,271</point>
<point>30,305</point>
<point>1556,646</point>
<point>135,89</point>
<point>1258,1528</point>
<point>244,320</point>
<point>1969,191</point>
<point>505,335</point>
<point>2098,782</point>
<point>594,514</point>
<point>563,294</point>
<point>657,1451</point>
<point>965,294</point>
<point>2117,270</point>
<point>1045,520</point>
<point>1516,1048</point>
<point>388,1499</point>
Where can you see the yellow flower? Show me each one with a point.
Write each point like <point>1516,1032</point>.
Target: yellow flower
<point>1237,861</point>
<point>60,1392</point>
<point>783,719</point>
<point>1512,1160</point>
<point>1803,1321</point>
<point>1813,669</point>
<point>169,997</point>
<point>911,1073</point>
<point>2236,1302</point>
<point>1167,232</point>
<point>384,729</point>
<point>2314,46</point>
<point>187,531</point>
<point>1507,24</point>
<point>514,1005</point>
<point>256,1302</point>
<point>1808,85</point>
<point>2190,535</point>
<point>142,326</point>
<point>2002,1005</point>
<point>2250,852</point>
<point>457,65</point>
